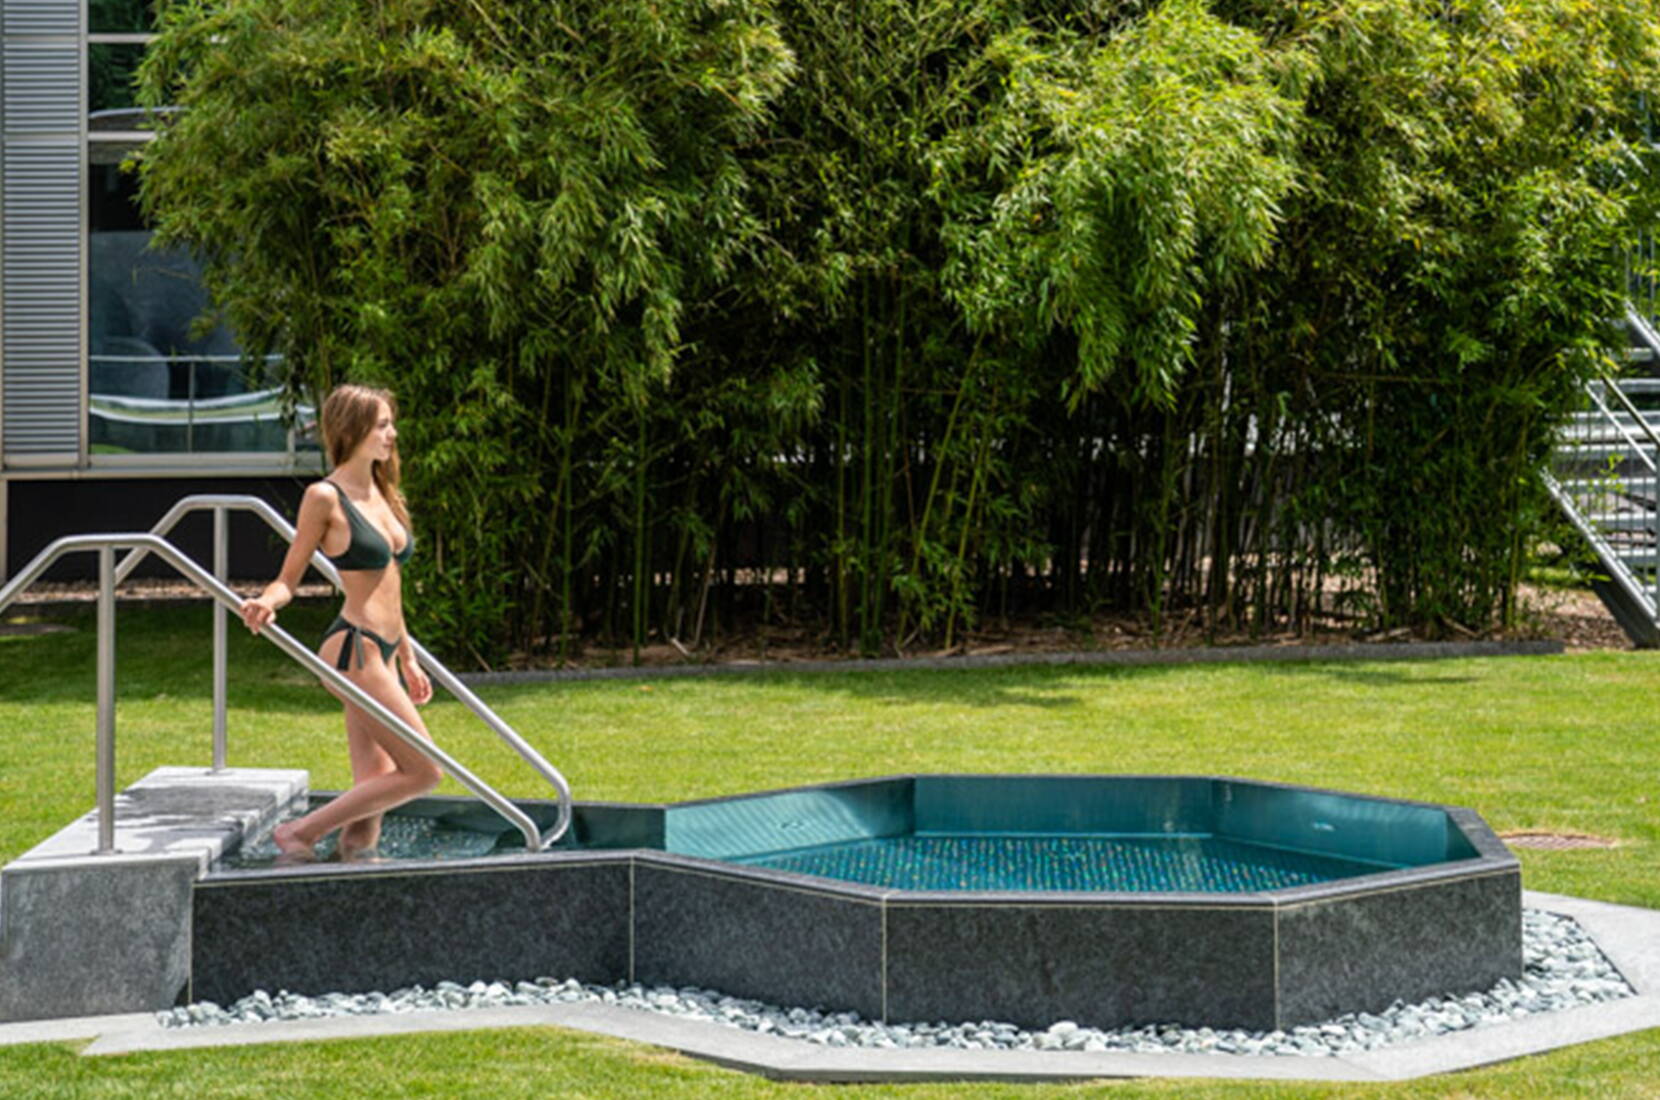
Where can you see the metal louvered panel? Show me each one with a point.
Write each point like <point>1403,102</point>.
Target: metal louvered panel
<point>41,16</point>
<point>42,90</point>
<point>40,279</point>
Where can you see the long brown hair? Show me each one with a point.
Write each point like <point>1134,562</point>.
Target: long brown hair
<point>349,415</point>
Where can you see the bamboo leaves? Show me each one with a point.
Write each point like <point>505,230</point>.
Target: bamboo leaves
<point>883,317</point>
<point>1164,154</point>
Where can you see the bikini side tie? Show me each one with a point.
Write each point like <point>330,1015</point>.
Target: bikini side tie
<point>352,644</point>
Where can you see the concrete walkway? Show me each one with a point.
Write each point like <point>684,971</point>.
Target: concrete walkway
<point>1630,937</point>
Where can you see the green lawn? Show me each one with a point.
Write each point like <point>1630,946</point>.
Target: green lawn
<point>1561,742</point>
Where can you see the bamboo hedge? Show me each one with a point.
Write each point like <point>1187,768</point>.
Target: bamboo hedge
<point>884,317</point>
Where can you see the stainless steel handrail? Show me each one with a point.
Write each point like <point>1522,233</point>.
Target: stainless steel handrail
<point>106,544</point>
<point>220,503</point>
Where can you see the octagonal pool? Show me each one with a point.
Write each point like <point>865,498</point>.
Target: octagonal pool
<point>1109,900</point>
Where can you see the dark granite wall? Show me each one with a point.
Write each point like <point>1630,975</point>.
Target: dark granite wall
<point>1032,963</point>
<point>777,941</point>
<point>94,939</point>
<point>1358,953</point>
<point>1030,959</point>
<point>354,931</point>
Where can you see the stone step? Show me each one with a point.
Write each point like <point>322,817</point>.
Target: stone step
<point>128,947</point>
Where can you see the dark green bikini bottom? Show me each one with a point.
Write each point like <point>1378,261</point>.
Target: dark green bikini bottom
<point>354,643</point>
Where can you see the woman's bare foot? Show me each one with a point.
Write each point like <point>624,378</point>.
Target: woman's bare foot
<point>290,848</point>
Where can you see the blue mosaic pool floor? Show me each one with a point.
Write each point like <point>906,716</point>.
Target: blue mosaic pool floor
<point>1187,864</point>
<point>943,861</point>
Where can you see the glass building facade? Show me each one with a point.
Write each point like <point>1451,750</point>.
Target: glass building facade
<point>118,392</point>
<point>152,383</point>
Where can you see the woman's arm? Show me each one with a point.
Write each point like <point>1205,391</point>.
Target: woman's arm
<point>420,687</point>
<point>309,528</point>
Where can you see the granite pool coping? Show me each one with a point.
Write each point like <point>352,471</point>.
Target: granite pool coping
<point>1629,936</point>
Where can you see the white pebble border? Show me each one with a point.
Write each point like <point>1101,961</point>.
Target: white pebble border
<point>1563,968</point>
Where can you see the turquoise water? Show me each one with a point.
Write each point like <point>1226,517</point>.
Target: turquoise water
<point>400,838</point>
<point>1189,864</point>
<point>1184,863</point>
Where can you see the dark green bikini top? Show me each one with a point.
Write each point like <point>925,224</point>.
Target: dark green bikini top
<point>368,548</point>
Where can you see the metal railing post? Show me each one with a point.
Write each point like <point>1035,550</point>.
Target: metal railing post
<point>106,700</point>
<point>220,568</point>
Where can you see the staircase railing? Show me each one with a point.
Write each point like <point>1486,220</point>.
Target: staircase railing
<point>1607,482</point>
<point>1570,501</point>
<point>106,545</point>
<point>222,504</point>
<point>1642,329</point>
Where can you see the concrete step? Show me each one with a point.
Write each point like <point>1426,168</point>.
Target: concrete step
<point>128,947</point>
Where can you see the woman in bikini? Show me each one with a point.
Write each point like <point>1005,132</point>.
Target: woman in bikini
<point>357,517</point>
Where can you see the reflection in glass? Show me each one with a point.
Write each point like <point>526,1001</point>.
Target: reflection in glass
<point>121,119</point>
<point>156,384</point>
<point>119,17</point>
<point>109,74</point>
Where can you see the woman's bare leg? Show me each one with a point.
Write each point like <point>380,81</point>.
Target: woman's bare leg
<point>410,773</point>
<point>369,760</point>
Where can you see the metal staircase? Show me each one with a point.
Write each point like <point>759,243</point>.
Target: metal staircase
<point>1605,475</point>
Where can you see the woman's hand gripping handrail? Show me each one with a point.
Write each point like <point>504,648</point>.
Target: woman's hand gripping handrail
<point>450,681</point>
<point>154,544</point>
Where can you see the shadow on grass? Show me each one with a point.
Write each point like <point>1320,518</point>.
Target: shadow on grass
<point>1047,685</point>
<point>168,650</point>
<point>987,688</point>
<point>1406,674</point>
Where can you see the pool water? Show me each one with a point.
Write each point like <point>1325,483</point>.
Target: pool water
<point>1192,863</point>
<point>1156,863</point>
<point>401,837</point>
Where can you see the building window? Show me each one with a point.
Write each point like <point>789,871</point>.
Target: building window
<point>109,74</point>
<point>119,17</point>
<point>157,384</point>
